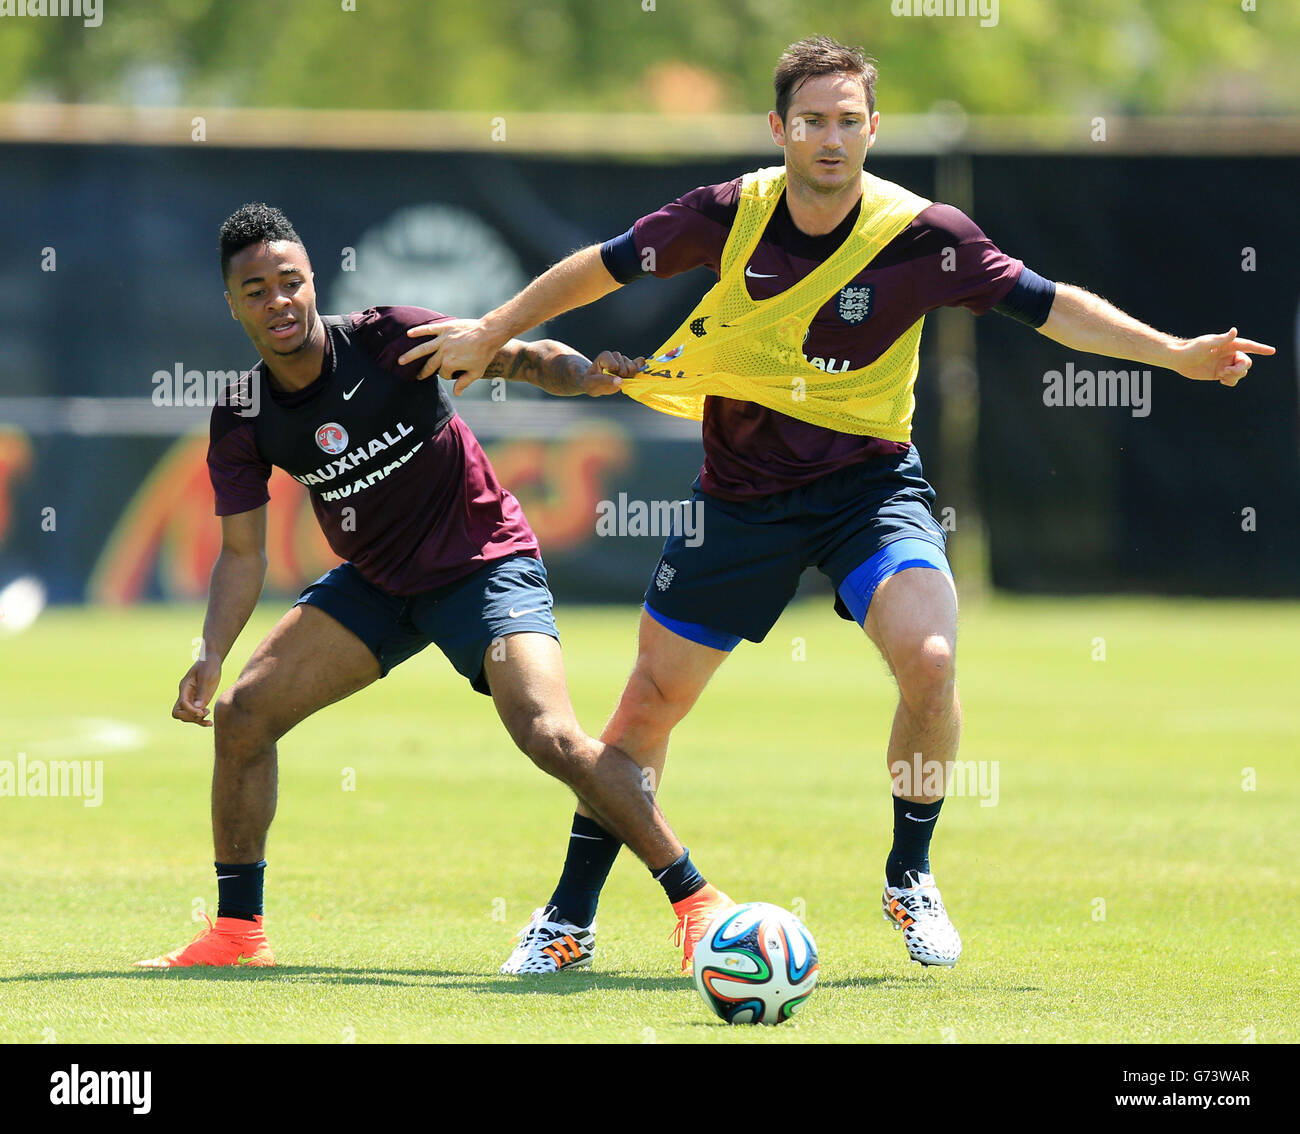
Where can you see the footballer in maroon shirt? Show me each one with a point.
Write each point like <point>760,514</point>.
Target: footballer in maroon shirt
<point>436,551</point>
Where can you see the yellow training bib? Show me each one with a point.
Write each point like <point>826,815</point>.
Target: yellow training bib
<point>752,350</point>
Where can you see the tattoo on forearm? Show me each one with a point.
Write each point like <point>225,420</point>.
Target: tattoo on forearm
<point>508,365</point>
<point>543,366</point>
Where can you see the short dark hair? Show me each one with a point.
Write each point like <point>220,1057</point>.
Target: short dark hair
<point>254,223</point>
<point>821,55</point>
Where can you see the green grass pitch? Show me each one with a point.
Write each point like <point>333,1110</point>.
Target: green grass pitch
<point>1133,882</point>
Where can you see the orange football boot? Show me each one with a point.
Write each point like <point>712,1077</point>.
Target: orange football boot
<point>227,941</point>
<point>693,917</point>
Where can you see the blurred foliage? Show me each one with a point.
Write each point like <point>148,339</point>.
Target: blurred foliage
<point>1041,56</point>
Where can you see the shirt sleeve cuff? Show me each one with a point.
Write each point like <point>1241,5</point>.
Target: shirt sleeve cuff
<point>621,259</point>
<point>1029,301</point>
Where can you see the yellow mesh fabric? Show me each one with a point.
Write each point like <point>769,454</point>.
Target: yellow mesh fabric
<point>736,347</point>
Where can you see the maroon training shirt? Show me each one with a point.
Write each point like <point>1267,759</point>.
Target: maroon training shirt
<point>400,486</point>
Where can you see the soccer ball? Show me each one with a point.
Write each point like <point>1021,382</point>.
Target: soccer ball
<point>755,964</point>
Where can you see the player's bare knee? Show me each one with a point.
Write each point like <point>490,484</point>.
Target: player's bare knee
<point>927,676</point>
<point>651,706</point>
<point>555,744</point>
<point>241,723</point>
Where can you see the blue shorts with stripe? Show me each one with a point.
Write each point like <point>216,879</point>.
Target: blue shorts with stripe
<point>739,566</point>
<point>462,618</point>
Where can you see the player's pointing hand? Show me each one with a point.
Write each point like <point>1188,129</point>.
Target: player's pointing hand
<point>459,349</point>
<point>1221,358</point>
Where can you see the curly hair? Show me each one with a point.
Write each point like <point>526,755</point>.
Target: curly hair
<point>254,223</point>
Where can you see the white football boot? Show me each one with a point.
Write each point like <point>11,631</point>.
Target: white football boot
<point>917,909</point>
<point>547,946</point>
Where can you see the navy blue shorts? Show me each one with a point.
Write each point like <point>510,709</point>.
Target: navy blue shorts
<point>463,619</point>
<point>738,571</point>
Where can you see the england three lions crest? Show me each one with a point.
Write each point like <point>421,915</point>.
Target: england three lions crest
<point>855,303</point>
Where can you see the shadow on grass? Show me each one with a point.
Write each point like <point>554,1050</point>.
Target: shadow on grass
<point>558,984</point>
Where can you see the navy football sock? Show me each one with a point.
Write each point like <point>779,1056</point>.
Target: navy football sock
<point>680,879</point>
<point>914,824</point>
<point>239,889</point>
<point>592,851</point>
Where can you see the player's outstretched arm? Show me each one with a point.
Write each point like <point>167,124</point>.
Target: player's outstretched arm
<point>236,585</point>
<point>463,349</point>
<point>559,369</point>
<point>1083,321</point>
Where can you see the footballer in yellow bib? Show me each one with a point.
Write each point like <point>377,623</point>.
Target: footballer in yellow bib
<point>800,364</point>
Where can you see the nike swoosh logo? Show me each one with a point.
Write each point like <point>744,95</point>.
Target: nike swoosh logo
<point>753,275</point>
<point>242,960</point>
<point>914,819</point>
<point>593,838</point>
<point>520,613</point>
<point>353,390</point>
<point>220,877</point>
